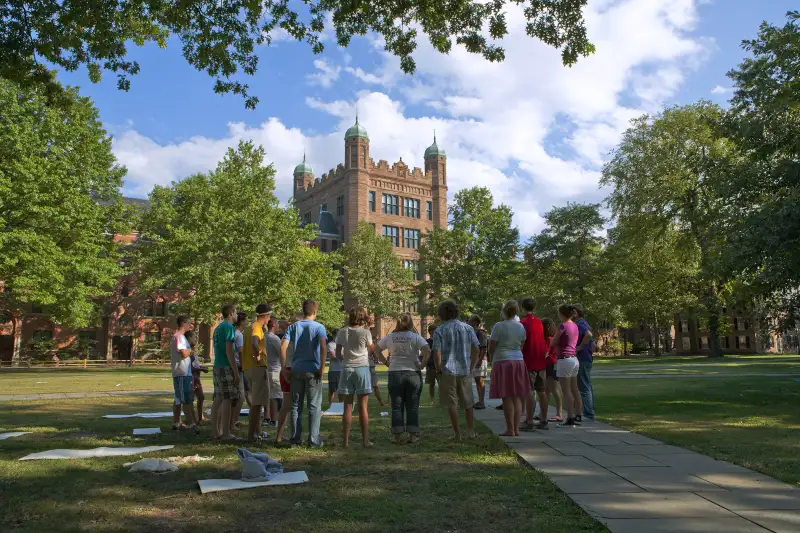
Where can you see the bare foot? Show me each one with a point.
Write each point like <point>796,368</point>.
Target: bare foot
<point>455,437</point>
<point>367,444</point>
<point>472,435</point>
<point>508,434</point>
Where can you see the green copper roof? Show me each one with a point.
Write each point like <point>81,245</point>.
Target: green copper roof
<point>434,150</point>
<point>303,168</point>
<point>356,130</point>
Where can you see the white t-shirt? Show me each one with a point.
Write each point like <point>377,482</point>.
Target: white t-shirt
<point>238,346</point>
<point>181,366</point>
<point>333,364</point>
<point>273,352</point>
<point>404,348</point>
<point>509,336</point>
<point>355,344</point>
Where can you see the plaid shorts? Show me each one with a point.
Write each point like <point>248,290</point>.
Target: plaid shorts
<point>223,383</point>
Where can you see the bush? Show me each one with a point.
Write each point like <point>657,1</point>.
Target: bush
<point>612,347</point>
<point>640,346</point>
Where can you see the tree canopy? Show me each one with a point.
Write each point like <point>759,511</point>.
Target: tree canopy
<point>223,38</point>
<point>223,237</point>
<point>59,205</point>
<point>374,276</point>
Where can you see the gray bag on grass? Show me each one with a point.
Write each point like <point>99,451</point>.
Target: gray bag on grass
<point>258,466</point>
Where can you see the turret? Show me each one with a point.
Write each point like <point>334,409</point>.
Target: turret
<point>303,176</point>
<point>356,147</point>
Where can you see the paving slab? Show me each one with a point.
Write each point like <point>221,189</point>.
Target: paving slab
<point>568,466</point>
<point>642,449</point>
<point>684,525</point>
<point>596,439</point>
<point>755,500</point>
<point>650,505</point>
<point>743,481</point>
<point>663,479</point>
<point>574,448</point>
<point>634,438</point>
<point>594,484</point>
<point>535,452</point>
<point>776,521</point>
<point>608,461</point>
<point>694,462</point>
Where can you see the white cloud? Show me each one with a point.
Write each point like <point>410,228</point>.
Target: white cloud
<point>327,74</point>
<point>719,89</point>
<point>533,131</point>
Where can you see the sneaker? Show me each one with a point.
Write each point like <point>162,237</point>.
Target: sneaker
<point>413,439</point>
<point>527,427</point>
<point>178,427</point>
<point>570,422</point>
<point>578,419</point>
<point>479,406</point>
<point>499,407</point>
<point>192,430</point>
<point>542,425</point>
<point>273,423</point>
<point>537,418</point>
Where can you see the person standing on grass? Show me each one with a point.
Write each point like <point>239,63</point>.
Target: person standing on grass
<point>255,366</point>
<point>409,353</point>
<point>238,347</point>
<point>373,373</point>
<point>584,349</point>
<point>431,377</point>
<point>285,382</point>
<point>565,341</point>
<point>534,353</point>
<point>180,359</point>
<point>273,345</point>
<point>455,350</point>
<point>353,347</point>
<point>334,367</point>
<point>481,371</point>
<point>308,366</point>
<point>226,376</point>
<point>509,379</point>
<point>197,384</point>
<point>552,380</point>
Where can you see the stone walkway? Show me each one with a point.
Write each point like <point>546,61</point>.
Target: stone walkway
<point>635,484</point>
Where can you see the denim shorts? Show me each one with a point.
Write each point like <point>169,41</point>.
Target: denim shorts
<point>183,389</point>
<point>355,381</point>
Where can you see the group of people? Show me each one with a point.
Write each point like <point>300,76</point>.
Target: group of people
<point>284,375</point>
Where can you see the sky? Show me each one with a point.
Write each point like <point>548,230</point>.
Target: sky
<point>533,131</point>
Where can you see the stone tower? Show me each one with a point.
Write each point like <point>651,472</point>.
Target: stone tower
<point>356,163</point>
<point>303,176</point>
<point>436,164</point>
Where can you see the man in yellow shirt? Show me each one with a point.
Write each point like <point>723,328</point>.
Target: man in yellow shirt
<point>254,365</point>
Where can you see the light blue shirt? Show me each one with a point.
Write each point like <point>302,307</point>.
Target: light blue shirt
<point>455,339</point>
<point>304,337</point>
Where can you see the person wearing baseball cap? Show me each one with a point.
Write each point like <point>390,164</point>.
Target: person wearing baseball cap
<point>255,367</point>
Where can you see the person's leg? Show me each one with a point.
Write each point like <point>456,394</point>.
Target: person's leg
<point>508,414</point>
<point>467,401</point>
<point>176,414</point>
<point>529,408</point>
<point>377,389</point>
<point>431,382</point>
<point>414,387</point>
<point>396,399</point>
<point>347,418</point>
<point>480,386</point>
<point>201,398</point>
<point>225,419</point>
<point>566,391</point>
<point>585,387</point>
<point>298,395</point>
<point>273,410</point>
<point>453,412</point>
<point>283,416</point>
<point>541,392</point>
<point>576,394</point>
<point>518,402</point>
<point>314,395</point>
<point>555,388</point>
<point>363,419</point>
<point>254,423</point>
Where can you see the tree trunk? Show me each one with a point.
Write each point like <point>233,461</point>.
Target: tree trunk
<point>624,342</point>
<point>657,336</point>
<point>714,349</point>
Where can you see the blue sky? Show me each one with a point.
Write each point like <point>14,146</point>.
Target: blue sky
<point>533,131</point>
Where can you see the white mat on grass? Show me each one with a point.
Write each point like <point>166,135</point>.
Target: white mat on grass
<point>161,414</point>
<point>94,452</point>
<point>336,409</point>
<point>146,431</point>
<point>12,434</point>
<point>216,485</point>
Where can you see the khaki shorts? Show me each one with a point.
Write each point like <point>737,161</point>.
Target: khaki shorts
<point>258,380</point>
<point>431,376</point>
<point>275,392</point>
<point>456,391</point>
<point>537,379</point>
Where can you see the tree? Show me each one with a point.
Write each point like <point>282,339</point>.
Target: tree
<point>765,120</point>
<point>59,204</point>
<point>475,261</point>
<point>667,174</point>
<point>651,275</point>
<point>564,258</point>
<point>224,238</point>
<point>222,38</point>
<point>375,276</point>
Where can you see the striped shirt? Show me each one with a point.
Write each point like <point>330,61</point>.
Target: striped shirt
<point>455,339</point>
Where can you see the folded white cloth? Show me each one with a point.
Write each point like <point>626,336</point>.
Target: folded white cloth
<point>157,466</point>
<point>161,414</point>
<point>12,434</point>
<point>188,459</point>
<point>216,485</point>
<point>335,409</point>
<point>94,452</point>
<point>258,466</point>
<point>146,431</point>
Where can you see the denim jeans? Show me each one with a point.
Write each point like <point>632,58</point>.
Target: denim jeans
<point>405,387</point>
<point>306,386</point>
<point>585,388</point>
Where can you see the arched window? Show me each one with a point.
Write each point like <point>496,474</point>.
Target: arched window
<point>353,157</point>
<point>363,157</point>
<point>149,306</point>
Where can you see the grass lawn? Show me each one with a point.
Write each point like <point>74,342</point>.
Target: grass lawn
<point>615,362</point>
<point>733,367</point>
<point>436,485</point>
<point>753,422</point>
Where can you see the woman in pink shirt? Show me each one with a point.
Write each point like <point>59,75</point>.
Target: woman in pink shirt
<point>565,342</point>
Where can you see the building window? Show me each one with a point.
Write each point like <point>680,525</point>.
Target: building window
<point>363,157</point>
<point>684,326</point>
<point>334,246</point>
<point>704,343</point>
<point>152,336</point>
<point>37,309</point>
<point>372,201</point>
<point>747,341</point>
<point>323,245</point>
<point>411,265</point>
<point>738,342</point>
<point>43,335</point>
<point>149,304</point>
<point>307,218</point>
<point>410,307</point>
<point>87,336</point>
<point>126,291</point>
<point>353,157</point>
<point>411,238</point>
<point>323,207</point>
<point>340,206</point>
<point>161,308</point>
<point>429,210</point>
<point>724,310</point>
<point>746,324</point>
<point>411,207</point>
<point>686,343</point>
<point>390,205</point>
<point>393,234</point>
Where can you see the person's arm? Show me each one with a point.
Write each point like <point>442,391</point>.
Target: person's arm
<point>586,338</point>
<point>475,355</point>
<point>492,347</point>
<point>256,347</point>
<point>229,349</point>
<point>425,351</point>
<point>323,355</point>
<point>437,360</point>
<point>284,347</point>
<point>554,340</point>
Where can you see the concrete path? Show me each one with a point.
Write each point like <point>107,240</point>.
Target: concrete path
<point>635,484</point>
<point>71,395</point>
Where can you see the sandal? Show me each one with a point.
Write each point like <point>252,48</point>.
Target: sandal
<point>556,419</point>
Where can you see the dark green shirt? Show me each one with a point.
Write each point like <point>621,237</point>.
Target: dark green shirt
<point>224,333</point>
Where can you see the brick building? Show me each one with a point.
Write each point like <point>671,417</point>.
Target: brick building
<point>401,203</point>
